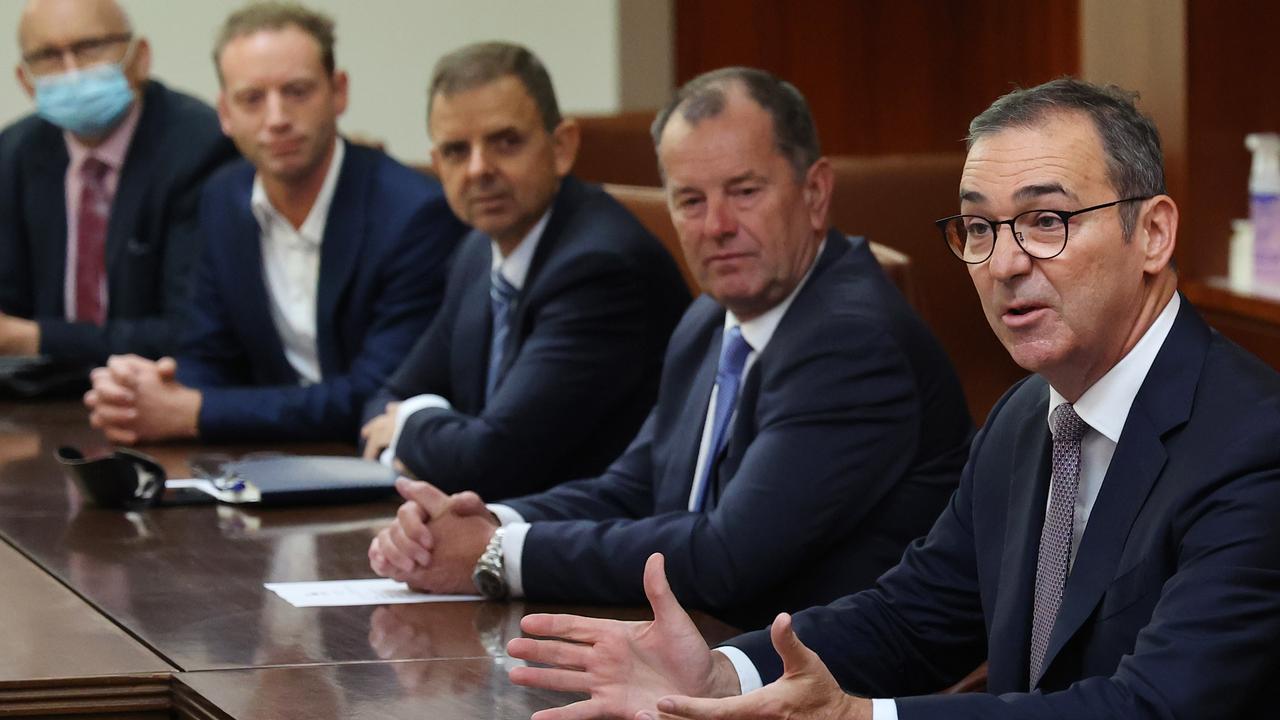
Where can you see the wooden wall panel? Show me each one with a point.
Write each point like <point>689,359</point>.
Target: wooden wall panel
<point>885,76</point>
<point>1232,66</point>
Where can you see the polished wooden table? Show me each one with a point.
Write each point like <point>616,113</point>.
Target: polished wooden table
<point>137,602</point>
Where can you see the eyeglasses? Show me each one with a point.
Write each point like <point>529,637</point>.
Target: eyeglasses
<point>86,52</point>
<point>1042,234</point>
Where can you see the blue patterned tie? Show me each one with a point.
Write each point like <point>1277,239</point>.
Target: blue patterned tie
<point>1054,562</point>
<point>502,297</point>
<point>733,356</point>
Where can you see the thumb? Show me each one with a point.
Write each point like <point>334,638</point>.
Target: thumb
<point>795,655</point>
<point>167,367</point>
<point>666,608</point>
<point>467,503</point>
<point>428,496</point>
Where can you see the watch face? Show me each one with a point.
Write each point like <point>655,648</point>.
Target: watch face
<point>489,583</point>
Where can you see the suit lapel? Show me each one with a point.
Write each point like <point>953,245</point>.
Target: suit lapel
<point>1163,403</point>
<point>473,331</point>
<point>693,416</point>
<point>244,285</point>
<point>1028,492</point>
<point>344,232</point>
<point>135,181</point>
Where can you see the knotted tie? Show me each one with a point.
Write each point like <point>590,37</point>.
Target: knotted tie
<point>502,297</point>
<point>1054,560</point>
<point>733,356</point>
<point>91,240</point>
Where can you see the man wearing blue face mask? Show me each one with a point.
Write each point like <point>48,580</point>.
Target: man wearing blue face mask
<point>98,191</point>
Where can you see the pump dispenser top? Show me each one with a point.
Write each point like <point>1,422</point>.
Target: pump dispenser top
<point>1264,178</point>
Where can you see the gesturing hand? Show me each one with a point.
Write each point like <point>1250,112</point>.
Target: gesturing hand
<point>624,666</point>
<point>805,690</point>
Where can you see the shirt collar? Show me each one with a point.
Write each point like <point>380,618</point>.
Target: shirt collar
<point>111,151</point>
<point>312,230</point>
<point>1105,406</point>
<point>759,330</point>
<point>515,267</point>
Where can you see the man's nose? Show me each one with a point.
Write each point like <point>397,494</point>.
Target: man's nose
<point>720,220</point>
<point>1008,259</point>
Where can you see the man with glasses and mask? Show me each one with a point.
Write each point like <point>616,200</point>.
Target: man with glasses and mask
<point>1112,551</point>
<point>98,190</point>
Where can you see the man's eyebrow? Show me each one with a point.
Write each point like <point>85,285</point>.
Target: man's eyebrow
<point>1029,192</point>
<point>972,196</point>
<point>748,176</point>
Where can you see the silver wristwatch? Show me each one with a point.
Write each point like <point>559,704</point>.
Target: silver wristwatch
<point>490,576</point>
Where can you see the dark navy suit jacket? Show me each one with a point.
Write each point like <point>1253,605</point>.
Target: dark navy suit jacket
<point>1172,608</point>
<point>581,365</point>
<point>383,262</point>
<point>850,434</point>
<point>151,242</point>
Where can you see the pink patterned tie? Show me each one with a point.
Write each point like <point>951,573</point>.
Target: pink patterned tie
<point>1055,537</point>
<point>91,242</point>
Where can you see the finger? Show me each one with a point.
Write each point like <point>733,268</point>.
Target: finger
<point>167,367</point>
<point>420,556</point>
<point>569,627</point>
<point>377,562</point>
<point>395,558</point>
<point>111,414</point>
<point>466,504</point>
<point>113,392</point>
<point>551,679</point>
<point>90,398</point>
<point>581,710</point>
<point>412,522</point>
<point>679,706</point>
<point>550,652</point>
<point>795,656</point>
<point>370,452</point>
<point>425,494</point>
<point>123,369</point>
<point>120,436</point>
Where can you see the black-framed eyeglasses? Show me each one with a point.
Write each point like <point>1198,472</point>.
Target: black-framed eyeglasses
<point>89,51</point>
<point>1042,234</point>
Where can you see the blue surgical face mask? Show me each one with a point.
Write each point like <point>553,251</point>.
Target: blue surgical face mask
<point>86,102</point>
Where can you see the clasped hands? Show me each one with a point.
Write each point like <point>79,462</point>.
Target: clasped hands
<point>663,668</point>
<point>134,400</point>
<point>435,540</point>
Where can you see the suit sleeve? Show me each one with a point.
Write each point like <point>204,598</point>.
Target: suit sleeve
<point>15,277</point>
<point>919,629</point>
<point>412,284</point>
<point>837,419</point>
<point>180,242</point>
<point>625,490</point>
<point>584,357</point>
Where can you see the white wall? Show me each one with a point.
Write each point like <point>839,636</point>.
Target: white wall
<point>389,47</point>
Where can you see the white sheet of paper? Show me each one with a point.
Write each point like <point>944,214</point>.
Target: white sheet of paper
<point>341,593</point>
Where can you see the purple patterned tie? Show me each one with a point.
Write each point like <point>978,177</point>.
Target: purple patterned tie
<point>1055,537</point>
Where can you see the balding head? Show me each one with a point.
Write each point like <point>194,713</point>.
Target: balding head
<point>45,20</point>
<point>52,37</point>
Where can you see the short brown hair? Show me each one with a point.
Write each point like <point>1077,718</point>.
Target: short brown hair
<point>259,16</point>
<point>481,63</point>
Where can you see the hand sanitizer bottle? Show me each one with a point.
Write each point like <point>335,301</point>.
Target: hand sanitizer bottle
<point>1264,207</point>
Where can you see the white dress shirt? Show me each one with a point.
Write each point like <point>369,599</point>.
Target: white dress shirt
<point>1104,407</point>
<point>515,269</point>
<point>756,331</point>
<point>291,267</point>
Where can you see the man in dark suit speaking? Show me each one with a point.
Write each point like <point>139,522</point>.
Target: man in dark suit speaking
<point>98,191</point>
<point>807,424</point>
<point>324,260</point>
<point>1112,550</point>
<point>545,357</point>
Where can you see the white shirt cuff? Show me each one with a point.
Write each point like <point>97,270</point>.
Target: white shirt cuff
<point>748,675</point>
<point>512,550</point>
<point>409,406</point>
<point>884,709</point>
<point>505,513</point>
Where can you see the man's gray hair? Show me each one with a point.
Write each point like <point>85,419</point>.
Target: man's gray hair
<point>1135,162</point>
<point>479,64</point>
<point>704,97</point>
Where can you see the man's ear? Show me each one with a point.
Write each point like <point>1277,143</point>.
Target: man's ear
<point>1157,230</point>
<point>565,140</point>
<point>28,86</point>
<point>819,182</point>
